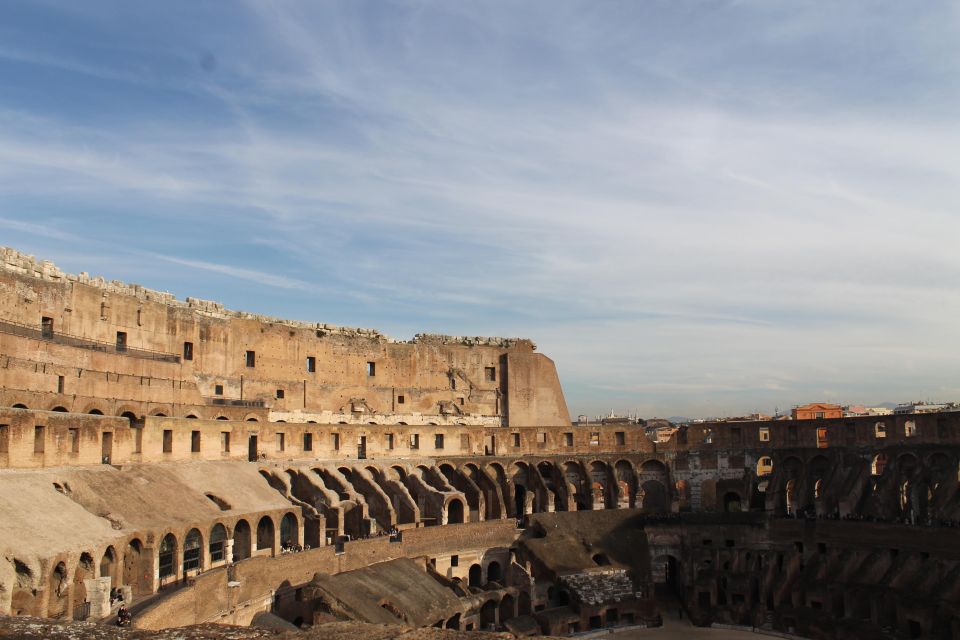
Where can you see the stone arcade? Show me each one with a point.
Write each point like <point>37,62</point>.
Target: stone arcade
<point>216,467</point>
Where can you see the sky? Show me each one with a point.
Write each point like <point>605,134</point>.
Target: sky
<point>694,208</point>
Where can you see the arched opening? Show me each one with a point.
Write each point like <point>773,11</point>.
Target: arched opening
<point>520,500</point>
<point>222,418</point>
<point>106,565</point>
<point>791,496</point>
<point>192,551</point>
<point>289,531</point>
<point>653,497</point>
<point>241,541</point>
<point>19,405</point>
<point>455,512</point>
<point>135,573</point>
<point>265,533</point>
<point>24,599</point>
<point>167,557</point>
<point>95,412</point>
<point>191,417</point>
<point>84,571</point>
<point>60,591</point>
<point>879,464</point>
<point>764,466</point>
<point>732,502</point>
<point>475,576</point>
<point>601,559</point>
<point>488,615</point>
<point>59,409</point>
<point>218,543</point>
<point>453,622</point>
<point>508,608</point>
<point>494,573</point>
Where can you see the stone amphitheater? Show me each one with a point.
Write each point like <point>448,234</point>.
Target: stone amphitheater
<point>227,475</point>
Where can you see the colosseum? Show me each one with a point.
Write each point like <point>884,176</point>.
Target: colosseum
<point>210,468</point>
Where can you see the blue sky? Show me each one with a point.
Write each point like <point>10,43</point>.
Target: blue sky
<point>694,208</point>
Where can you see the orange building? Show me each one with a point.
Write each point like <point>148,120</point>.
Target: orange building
<point>817,411</point>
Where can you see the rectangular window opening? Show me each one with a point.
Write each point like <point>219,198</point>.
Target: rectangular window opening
<point>4,438</point>
<point>516,439</point>
<point>224,442</point>
<point>389,441</point>
<point>39,439</point>
<point>311,364</point>
<point>188,351</point>
<point>74,442</point>
<point>490,373</point>
<point>438,441</point>
<point>280,394</point>
<point>594,438</point>
<point>251,358</point>
<point>568,439</point>
<point>764,434</point>
<point>281,441</point>
<point>60,384</point>
<point>308,442</point>
<point>400,399</point>
<point>218,389</point>
<point>621,438</point>
<point>371,369</point>
<point>194,442</point>
<point>121,340</point>
<point>336,441</point>
<point>168,440</point>
<point>46,327</point>
<point>414,440</point>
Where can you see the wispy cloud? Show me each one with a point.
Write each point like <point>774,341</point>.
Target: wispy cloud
<point>690,211</point>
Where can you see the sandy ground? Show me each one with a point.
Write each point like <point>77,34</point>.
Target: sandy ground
<point>673,628</point>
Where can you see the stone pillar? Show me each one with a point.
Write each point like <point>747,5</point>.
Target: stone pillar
<point>98,595</point>
<point>228,550</point>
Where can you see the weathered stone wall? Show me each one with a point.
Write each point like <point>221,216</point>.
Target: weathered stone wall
<point>81,337</point>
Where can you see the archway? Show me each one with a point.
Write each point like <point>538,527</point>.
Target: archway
<point>192,551</point>
<point>106,565</point>
<point>508,608</point>
<point>59,592</point>
<point>475,576</point>
<point>135,573</point>
<point>85,569</point>
<point>654,497</point>
<point>241,541</point>
<point>265,533</point>
<point>289,531</point>
<point>218,542</point>
<point>167,557</point>
<point>488,615</point>
<point>455,512</point>
<point>494,573</point>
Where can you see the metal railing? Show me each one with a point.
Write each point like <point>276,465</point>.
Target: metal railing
<point>48,335</point>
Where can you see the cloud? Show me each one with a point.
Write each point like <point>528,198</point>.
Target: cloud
<point>689,211</point>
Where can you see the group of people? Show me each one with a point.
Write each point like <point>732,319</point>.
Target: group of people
<point>293,548</point>
<point>124,617</point>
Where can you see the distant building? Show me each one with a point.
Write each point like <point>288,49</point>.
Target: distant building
<point>753,417</point>
<point>856,410</point>
<point>919,407</point>
<point>817,411</point>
